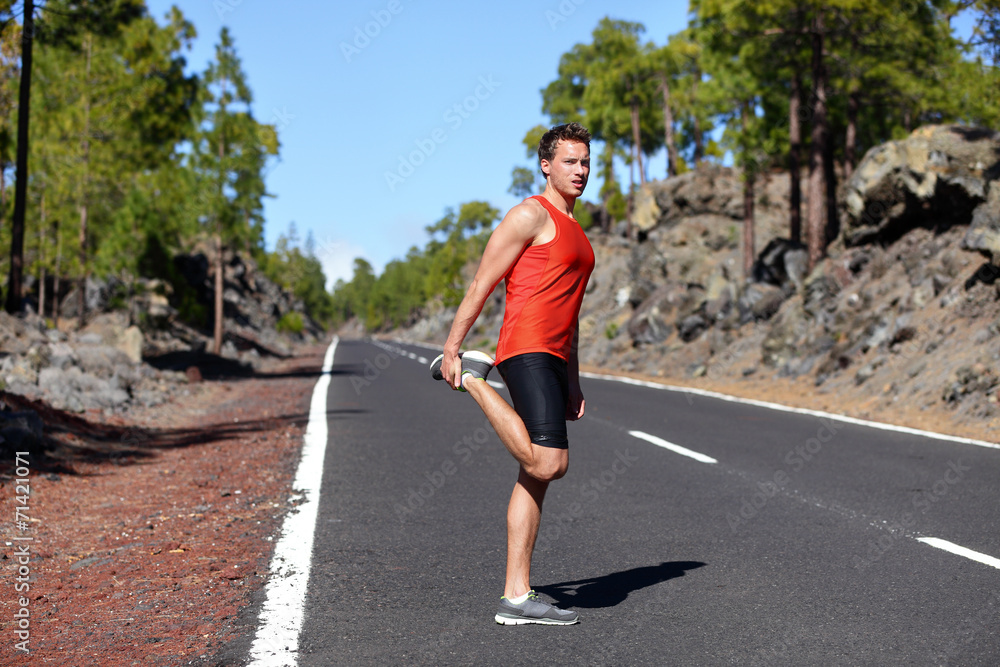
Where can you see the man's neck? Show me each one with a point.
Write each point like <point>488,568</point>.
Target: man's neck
<point>562,202</point>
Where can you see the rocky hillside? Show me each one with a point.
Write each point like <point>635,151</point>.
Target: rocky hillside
<point>899,322</point>
<point>137,351</point>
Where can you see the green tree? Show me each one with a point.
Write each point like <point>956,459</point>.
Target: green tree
<point>231,149</point>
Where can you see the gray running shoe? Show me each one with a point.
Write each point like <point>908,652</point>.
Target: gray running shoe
<point>477,364</point>
<point>533,610</point>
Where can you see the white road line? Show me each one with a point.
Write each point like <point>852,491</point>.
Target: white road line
<point>495,384</point>
<point>672,447</point>
<point>961,551</point>
<point>277,641</point>
<point>785,408</point>
<point>423,360</point>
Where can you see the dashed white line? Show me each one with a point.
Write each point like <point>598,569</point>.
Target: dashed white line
<point>785,408</point>
<point>423,360</point>
<point>951,547</point>
<point>660,442</point>
<point>277,641</point>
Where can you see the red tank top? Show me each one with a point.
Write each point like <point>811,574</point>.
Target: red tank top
<point>545,288</point>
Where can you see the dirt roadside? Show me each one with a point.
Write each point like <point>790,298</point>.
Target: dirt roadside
<point>149,537</point>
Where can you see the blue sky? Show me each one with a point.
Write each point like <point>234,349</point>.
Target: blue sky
<point>349,107</point>
<point>364,88</point>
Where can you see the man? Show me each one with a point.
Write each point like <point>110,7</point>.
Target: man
<point>546,260</point>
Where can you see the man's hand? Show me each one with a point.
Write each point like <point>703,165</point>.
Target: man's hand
<point>451,369</point>
<point>575,405</point>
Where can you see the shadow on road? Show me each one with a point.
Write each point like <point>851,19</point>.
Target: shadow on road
<point>611,589</point>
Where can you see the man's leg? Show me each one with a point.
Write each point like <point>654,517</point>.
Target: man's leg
<point>544,464</point>
<point>539,466</point>
<point>524,514</point>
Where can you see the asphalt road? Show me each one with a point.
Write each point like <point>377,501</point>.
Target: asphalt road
<point>798,545</point>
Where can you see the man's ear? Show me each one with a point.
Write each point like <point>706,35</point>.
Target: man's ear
<point>545,164</point>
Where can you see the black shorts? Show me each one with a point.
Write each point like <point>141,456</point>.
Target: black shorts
<point>538,383</point>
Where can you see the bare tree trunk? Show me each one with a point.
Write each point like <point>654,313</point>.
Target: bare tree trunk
<point>830,176</point>
<point>749,178</point>
<point>795,158</point>
<point>41,257</point>
<point>609,178</point>
<point>84,191</point>
<point>699,139</point>
<point>851,147</point>
<point>219,285</point>
<point>817,184</point>
<point>219,278</point>
<point>637,139</point>
<point>14,286</point>
<point>56,303</point>
<point>668,128</point>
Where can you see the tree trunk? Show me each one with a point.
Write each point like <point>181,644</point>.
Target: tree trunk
<point>637,139</point>
<point>699,139</point>
<point>609,179</point>
<point>851,147</point>
<point>56,303</point>
<point>853,106</point>
<point>84,191</point>
<point>830,176</point>
<point>749,178</point>
<point>13,302</point>
<point>219,278</point>
<point>795,158</point>
<point>41,257</point>
<point>219,285</point>
<point>668,128</point>
<point>817,184</point>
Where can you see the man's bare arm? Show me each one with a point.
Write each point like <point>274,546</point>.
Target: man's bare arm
<point>518,229</point>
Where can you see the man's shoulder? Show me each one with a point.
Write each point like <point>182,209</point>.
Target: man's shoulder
<point>529,212</point>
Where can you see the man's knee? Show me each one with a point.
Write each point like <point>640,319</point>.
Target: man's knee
<point>549,468</point>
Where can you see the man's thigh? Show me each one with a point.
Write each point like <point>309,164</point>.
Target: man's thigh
<point>537,383</point>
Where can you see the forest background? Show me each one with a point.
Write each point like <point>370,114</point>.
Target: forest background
<point>127,159</point>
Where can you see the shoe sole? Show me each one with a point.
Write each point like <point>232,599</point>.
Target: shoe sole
<point>521,620</point>
<point>476,355</point>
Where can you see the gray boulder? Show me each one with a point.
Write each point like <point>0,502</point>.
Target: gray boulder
<point>100,360</point>
<point>707,190</point>
<point>935,178</point>
<point>76,391</point>
<point>782,262</point>
<point>984,232</point>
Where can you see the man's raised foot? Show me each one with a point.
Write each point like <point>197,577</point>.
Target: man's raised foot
<point>474,363</point>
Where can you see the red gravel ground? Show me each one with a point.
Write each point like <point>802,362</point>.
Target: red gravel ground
<point>151,535</point>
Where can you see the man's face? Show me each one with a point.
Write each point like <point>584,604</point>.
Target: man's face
<point>570,167</point>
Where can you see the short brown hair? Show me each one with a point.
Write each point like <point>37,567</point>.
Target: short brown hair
<point>551,139</point>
